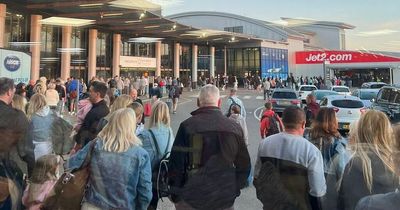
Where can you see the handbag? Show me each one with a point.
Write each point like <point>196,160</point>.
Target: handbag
<point>68,192</point>
<point>147,109</point>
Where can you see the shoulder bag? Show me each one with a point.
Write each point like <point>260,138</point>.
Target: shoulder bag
<point>68,192</point>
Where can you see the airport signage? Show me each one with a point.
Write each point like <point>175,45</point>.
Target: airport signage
<point>137,62</point>
<point>335,57</point>
<point>15,65</point>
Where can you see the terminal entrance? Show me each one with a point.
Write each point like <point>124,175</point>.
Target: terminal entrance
<point>355,77</point>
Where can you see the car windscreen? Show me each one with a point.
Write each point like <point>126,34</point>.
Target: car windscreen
<point>307,88</point>
<point>377,86</point>
<point>348,104</point>
<point>368,95</point>
<point>320,95</point>
<point>284,95</point>
<point>341,90</point>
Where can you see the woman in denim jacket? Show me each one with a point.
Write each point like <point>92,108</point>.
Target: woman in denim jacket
<point>40,127</point>
<point>120,171</point>
<point>159,130</point>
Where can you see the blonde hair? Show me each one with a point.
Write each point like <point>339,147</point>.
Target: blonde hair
<point>37,102</point>
<point>159,115</point>
<point>40,88</point>
<point>19,102</point>
<point>121,102</point>
<point>374,137</point>
<point>119,133</point>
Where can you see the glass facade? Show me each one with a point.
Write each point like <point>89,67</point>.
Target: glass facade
<point>104,54</point>
<point>79,41</point>
<point>203,60</point>
<point>274,63</point>
<point>16,30</point>
<point>50,56</point>
<point>167,59</point>
<point>242,62</point>
<point>137,49</point>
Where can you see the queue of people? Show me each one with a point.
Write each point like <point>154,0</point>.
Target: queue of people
<point>207,166</point>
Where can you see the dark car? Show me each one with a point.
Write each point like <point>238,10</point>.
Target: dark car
<point>388,101</point>
<point>283,98</point>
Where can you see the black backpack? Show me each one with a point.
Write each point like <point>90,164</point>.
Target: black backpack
<point>274,125</point>
<point>160,171</point>
<point>230,107</point>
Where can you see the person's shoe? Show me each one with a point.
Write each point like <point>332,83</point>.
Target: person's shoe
<point>174,112</point>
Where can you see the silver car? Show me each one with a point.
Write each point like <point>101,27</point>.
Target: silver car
<point>283,98</point>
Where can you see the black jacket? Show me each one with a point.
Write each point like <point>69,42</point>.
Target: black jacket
<point>353,186</point>
<point>13,135</point>
<point>209,162</point>
<point>88,130</point>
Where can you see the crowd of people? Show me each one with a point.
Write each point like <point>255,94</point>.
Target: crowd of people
<point>207,164</point>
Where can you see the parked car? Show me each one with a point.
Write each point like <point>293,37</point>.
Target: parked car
<point>283,98</point>
<point>304,90</point>
<point>319,94</point>
<point>373,85</point>
<point>366,95</point>
<point>342,90</point>
<point>388,101</point>
<point>348,109</point>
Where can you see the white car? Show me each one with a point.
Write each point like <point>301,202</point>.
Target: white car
<point>304,90</point>
<point>342,90</point>
<point>348,109</point>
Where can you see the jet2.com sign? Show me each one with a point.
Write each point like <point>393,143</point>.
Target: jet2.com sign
<point>12,63</point>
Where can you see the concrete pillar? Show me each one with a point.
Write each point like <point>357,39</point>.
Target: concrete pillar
<point>3,10</point>
<point>66,54</point>
<point>92,54</point>
<point>158,59</point>
<point>176,60</point>
<point>116,54</point>
<point>194,66</point>
<point>212,61</point>
<point>36,27</point>
<point>225,61</point>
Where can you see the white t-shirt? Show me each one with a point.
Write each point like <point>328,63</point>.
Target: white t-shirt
<point>299,150</point>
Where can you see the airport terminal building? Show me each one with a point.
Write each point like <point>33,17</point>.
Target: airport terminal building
<point>104,38</point>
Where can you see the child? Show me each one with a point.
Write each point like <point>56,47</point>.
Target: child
<point>138,108</point>
<point>84,106</point>
<point>235,115</point>
<point>42,181</point>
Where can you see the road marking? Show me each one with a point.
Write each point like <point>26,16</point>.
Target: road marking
<point>260,97</point>
<point>246,97</point>
<point>258,117</point>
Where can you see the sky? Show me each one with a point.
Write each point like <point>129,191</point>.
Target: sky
<point>377,21</point>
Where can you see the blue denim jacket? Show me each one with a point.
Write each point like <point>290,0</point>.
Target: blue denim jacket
<point>161,133</point>
<point>117,180</point>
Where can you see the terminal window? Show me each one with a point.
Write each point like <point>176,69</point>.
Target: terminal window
<point>235,29</point>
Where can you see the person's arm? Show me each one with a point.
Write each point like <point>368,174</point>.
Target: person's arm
<point>242,163</point>
<point>144,187</point>
<point>148,145</point>
<point>178,163</point>
<point>77,160</point>
<point>316,177</point>
<point>25,144</point>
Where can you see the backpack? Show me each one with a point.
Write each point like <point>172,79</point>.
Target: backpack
<point>171,92</point>
<point>233,104</point>
<point>160,171</point>
<point>274,125</point>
